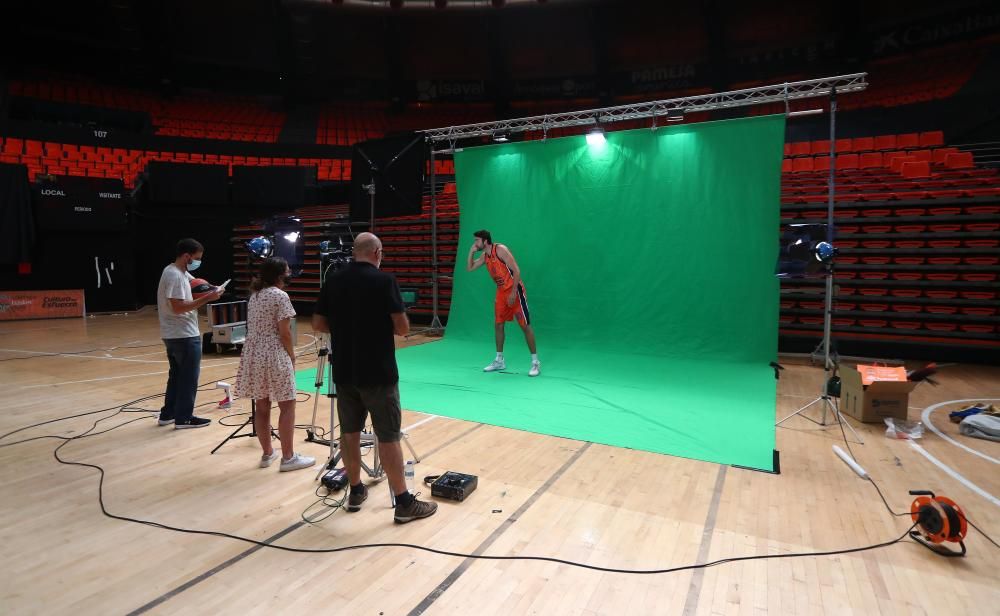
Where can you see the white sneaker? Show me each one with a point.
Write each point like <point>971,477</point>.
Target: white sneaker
<point>296,462</point>
<point>535,368</point>
<point>498,364</point>
<point>265,461</point>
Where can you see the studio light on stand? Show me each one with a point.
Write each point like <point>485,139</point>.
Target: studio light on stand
<point>807,251</point>
<point>283,237</point>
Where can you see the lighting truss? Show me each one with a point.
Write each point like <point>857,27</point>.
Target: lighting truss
<point>777,93</point>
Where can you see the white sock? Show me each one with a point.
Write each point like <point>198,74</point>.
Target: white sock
<point>534,357</point>
<point>499,356</point>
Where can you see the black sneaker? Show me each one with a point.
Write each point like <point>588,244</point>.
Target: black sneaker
<point>194,422</point>
<point>354,500</point>
<point>417,509</point>
<point>165,421</point>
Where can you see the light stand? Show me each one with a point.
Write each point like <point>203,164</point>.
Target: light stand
<point>435,327</point>
<point>370,188</point>
<point>825,400</point>
<point>253,430</point>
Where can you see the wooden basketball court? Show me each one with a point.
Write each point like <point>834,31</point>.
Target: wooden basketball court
<point>537,496</point>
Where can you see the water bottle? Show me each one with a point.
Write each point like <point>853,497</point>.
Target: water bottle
<point>408,474</point>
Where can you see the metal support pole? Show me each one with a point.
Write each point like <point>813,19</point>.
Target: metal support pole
<point>435,319</point>
<point>824,399</point>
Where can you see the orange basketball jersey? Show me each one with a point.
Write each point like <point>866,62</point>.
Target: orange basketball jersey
<point>501,274</point>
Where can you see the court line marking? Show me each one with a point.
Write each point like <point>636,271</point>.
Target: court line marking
<point>443,587</point>
<point>123,376</point>
<point>694,586</point>
<point>249,551</point>
<point>83,356</point>
<point>956,475</point>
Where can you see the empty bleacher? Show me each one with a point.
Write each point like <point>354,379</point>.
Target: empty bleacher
<point>43,157</point>
<point>918,229</point>
<point>230,118</point>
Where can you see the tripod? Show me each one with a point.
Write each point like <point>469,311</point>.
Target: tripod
<point>825,399</point>
<point>253,430</point>
<point>368,439</point>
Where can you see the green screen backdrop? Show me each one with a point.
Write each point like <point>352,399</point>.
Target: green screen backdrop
<point>648,264</point>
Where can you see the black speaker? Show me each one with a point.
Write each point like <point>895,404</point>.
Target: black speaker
<point>394,168</point>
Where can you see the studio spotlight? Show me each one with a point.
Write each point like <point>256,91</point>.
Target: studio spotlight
<point>260,247</point>
<point>675,114</point>
<point>596,136</point>
<point>501,136</point>
<point>804,252</point>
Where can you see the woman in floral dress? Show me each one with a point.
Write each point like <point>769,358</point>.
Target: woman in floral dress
<point>267,364</point>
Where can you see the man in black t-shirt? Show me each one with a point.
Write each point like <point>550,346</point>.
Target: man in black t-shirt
<point>361,308</point>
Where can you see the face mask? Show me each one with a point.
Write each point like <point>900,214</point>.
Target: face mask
<point>193,265</point>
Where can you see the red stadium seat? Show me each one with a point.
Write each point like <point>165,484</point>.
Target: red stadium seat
<point>960,160</point>
<point>908,141</point>
<point>847,161</point>
<point>863,144</point>
<point>885,142</point>
<point>801,164</point>
<point>870,160</point>
<point>916,169</point>
<point>821,147</point>
<point>931,139</point>
<point>938,155</point>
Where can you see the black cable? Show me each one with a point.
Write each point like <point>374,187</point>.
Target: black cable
<point>988,538</point>
<point>886,502</point>
<point>100,497</point>
<point>327,501</point>
<point>104,510</point>
<point>127,406</point>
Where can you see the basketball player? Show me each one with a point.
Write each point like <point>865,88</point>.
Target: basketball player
<point>511,302</point>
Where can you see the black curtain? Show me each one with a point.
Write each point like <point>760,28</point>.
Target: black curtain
<point>17,224</point>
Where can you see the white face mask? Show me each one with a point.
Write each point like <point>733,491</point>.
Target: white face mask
<point>193,265</point>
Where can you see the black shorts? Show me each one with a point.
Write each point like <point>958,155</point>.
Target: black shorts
<point>354,404</point>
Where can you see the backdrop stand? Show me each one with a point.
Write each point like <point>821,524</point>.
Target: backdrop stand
<point>770,94</point>
<point>435,326</point>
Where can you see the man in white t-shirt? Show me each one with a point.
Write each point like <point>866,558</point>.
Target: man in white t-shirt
<point>178,312</point>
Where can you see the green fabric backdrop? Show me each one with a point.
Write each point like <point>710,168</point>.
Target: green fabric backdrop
<point>648,264</point>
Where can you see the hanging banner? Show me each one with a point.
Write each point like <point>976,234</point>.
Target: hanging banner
<point>63,304</point>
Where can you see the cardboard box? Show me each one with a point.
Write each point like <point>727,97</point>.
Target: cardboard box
<point>873,403</point>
